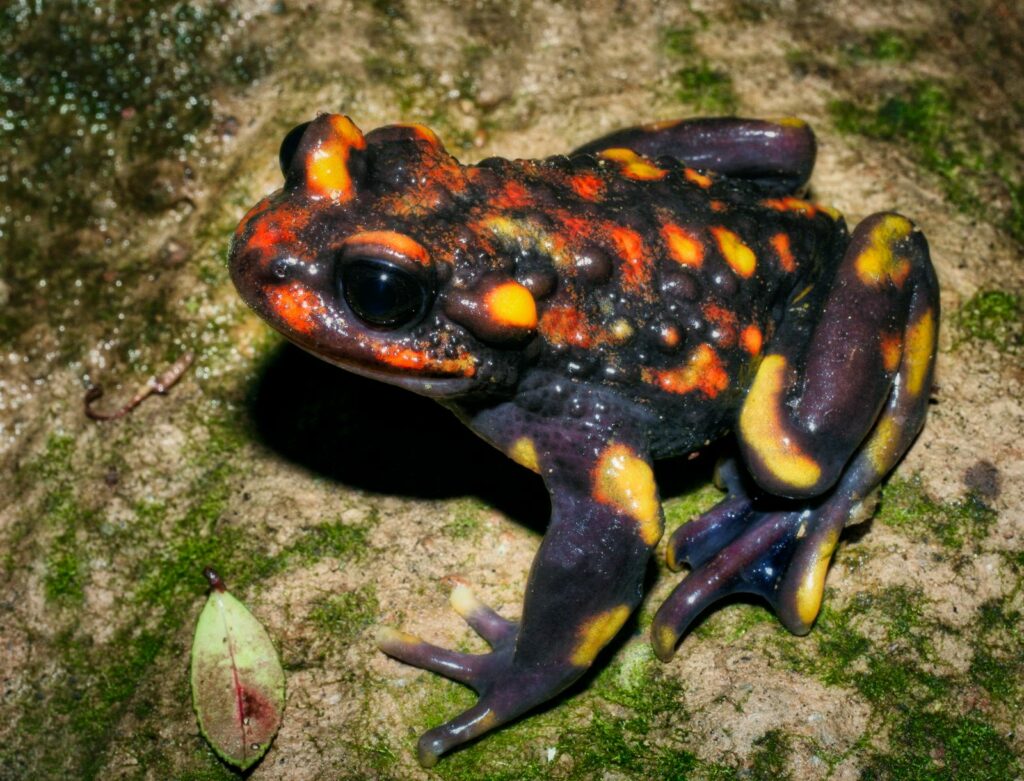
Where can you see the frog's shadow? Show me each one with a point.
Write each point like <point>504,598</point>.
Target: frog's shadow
<point>378,438</point>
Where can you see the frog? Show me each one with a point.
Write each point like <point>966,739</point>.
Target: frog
<point>660,289</point>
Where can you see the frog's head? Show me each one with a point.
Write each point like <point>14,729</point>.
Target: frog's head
<point>365,258</point>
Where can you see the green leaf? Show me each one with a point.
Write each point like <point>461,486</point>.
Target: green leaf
<point>237,679</point>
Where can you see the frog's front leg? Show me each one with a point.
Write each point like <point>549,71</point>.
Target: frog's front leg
<point>835,403</point>
<point>585,580</point>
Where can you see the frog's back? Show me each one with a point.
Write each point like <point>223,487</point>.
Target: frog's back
<point>656,280</point>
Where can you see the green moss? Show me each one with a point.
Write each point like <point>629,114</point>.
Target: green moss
<point>771,755</point>
<point>466,523</point>
<point>933,746</point>
<point>905,505</point>
<point>884,46</point>
<point>65,571</point>
<point>695,81</point>
<point>998,661</point>
<point>102,101</point>
<point>895,671</point>
<point>992,316</point>
<point>931,121</point>
<point>332,539</point>
<point>913,694</point>
<point>341,617</point>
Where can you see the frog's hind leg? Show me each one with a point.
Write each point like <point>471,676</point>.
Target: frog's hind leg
<point>865,348</point>
<point>778,156</point>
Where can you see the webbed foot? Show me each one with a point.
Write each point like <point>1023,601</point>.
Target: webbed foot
<point>764,546</point>
<point>506,690</point>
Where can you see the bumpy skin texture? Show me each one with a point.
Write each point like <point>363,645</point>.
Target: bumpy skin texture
<point>589,313</point>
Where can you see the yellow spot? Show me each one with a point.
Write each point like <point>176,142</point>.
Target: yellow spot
<point>621,330</point>
<point>595,633</point>
<point>811,588</point>
<point>920,348</point>
<point>791,122</point>
<point>464,601</point>
<point>524,453</point>
<point>626,482</point>
<point>684,247</point>
<point>699,179</point>
<point>877,264</point>
<point>736,253</point>
<point>763,427</point>
<point>633,165</point>
<point>664,641</point>
<point>327,172</point>
<point>880,449</point>
<point>388,636</point>
<point>512,304</point>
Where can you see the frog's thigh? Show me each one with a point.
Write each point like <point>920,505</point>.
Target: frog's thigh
<point>777,155</point>
<point>834,362</point>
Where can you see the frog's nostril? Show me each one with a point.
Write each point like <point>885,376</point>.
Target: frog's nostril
<point>279,268</point>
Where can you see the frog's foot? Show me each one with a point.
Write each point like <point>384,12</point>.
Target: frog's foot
<point>780,553</point>
<point>506,691</point>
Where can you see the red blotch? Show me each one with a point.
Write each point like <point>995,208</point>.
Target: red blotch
<point>635,269</point>
<point>566,325</point>
<point>725,324</point>
<point>587,186</point>
<point>752,339</point>
<point>780,241</point>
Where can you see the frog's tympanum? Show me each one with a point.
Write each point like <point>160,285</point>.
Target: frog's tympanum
<point>589,313</point>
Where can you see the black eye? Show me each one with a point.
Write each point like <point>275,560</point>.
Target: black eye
<point>381,294</point>
<point>290,145</point>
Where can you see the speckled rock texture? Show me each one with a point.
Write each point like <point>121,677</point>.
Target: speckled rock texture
<point>135,137</point>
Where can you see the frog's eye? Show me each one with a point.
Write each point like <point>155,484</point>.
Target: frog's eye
<point>290,145</point>
<point>381,293</point>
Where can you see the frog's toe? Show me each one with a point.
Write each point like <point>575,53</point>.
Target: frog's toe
<point>497,631</point>
<point>460,667</point>
<point>780,555</point>
<point>468,725</point>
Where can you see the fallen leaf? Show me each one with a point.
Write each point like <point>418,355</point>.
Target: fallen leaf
<point>237,679</point>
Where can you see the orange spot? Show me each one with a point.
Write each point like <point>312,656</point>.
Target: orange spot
<point>703,371</point>
<point>630,246</point>
<point>512,304</point>
<point>633,165</point>
<point>278,228</point>
<point>587,186</point>
<point>399,243</point>
<point>697,177</point>
<point>718,206</point>
<point>327,174</point>
<point>684,247</point>
<point>566,325</point>
<point>423,133</point>
<point>422,361</point>
<point>752,339</point>
<point>725,324</point>
<point>670,336</point>
<point>892,350</point>
<point>780,241</point>
<point>297,306</point>
<point>737,254</point>
<point>791,204</point>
